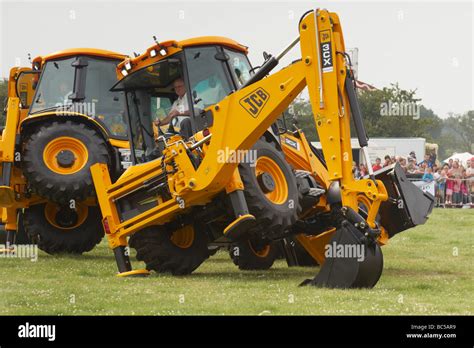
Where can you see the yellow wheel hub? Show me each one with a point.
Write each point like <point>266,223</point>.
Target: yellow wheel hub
<point>65,155</point>
<point>183,237</point>
<point>266,165</point>
<point>262,252</point>
<point>65,218</point>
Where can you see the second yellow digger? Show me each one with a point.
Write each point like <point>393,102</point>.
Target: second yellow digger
<point>60,119</point>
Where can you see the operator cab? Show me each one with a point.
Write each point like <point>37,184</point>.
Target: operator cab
<point>78,81</point>
<point>209,72</point>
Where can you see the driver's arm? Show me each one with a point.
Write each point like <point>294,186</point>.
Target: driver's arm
<point>173,113</point>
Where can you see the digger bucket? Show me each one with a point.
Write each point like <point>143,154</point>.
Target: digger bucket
<point>352,261</point>
<point>344,267</point>
<point>407,206</point>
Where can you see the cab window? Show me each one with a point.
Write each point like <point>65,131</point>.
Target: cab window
<point>208,80</point>
<point>239,66</point>
<point>55,86</point>
<point>108,107</point>
<point>160,107</point>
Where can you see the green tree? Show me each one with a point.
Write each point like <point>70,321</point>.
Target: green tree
<point>424,123</point>
<point>303,118</point>
<point>457,134</point>
<point>394,112</point>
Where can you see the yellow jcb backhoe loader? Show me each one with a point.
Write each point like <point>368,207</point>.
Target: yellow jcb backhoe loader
<point>186,191</point>
<point>61,117</point>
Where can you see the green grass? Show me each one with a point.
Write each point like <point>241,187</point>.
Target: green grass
<point>421,276</point>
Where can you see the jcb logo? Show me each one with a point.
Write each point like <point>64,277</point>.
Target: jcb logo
<point>255,101</point>
<point>325,37</point>
<point>326,51</point>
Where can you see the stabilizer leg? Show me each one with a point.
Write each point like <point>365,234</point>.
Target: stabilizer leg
<point>124,265</point>
<point>243,222</point>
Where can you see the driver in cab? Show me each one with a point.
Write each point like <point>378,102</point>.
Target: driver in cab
<point>179,115</point>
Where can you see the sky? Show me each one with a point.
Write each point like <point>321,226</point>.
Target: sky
<point>422,45</point>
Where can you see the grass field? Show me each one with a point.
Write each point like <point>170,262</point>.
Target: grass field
<point>428,270</point>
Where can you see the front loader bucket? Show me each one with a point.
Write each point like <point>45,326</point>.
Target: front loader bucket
<point>407,206</point>
<point>351,261</point>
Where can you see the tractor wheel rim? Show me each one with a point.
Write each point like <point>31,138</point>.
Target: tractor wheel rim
<point>184,237</point>
<point>265,164</point>
<point>262,252</point>
<point>65,145</point>
<point>53,212</point>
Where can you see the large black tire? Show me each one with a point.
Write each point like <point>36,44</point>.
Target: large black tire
<point>249,256</point>
<point>272,217</point>
<point>54,240</point>
<point>62,187</point>
<point>155,247</point>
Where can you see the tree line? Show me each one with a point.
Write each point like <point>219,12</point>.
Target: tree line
<point>392,112</point>
<point>388,112</point>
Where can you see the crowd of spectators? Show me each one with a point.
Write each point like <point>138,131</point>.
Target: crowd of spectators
<point>454,183</point>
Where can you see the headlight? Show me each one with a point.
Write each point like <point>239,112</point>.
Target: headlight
<point>128,66</point>
<point>152,53</point>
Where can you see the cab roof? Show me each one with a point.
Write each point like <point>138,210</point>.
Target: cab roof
<point>80,51</point>
<point>213,40</point>
<point>153,53</point>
